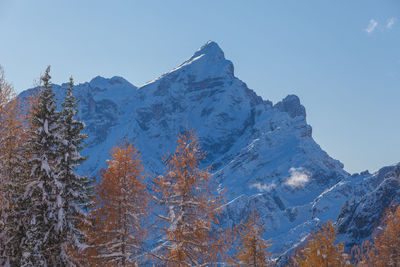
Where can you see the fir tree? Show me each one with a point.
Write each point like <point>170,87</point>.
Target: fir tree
<point>41,246</point>
<point>76,190</point>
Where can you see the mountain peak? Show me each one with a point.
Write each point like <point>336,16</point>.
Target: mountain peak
<point>98,79</point>
<point>210,49</point>
<point>102,82</point>
<point>291,104</point>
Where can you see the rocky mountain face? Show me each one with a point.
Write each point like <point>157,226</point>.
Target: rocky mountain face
<point>366,199</point>
<point>262,154</point>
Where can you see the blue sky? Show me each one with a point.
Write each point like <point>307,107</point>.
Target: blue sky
<point>342,58</point>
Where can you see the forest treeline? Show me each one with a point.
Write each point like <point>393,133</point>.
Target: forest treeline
<point>52,216</point>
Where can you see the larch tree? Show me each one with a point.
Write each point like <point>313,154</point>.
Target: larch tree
<point>5,97</point>
<point>384,249</point>
<point>7,127</point>
<point>252,249</point>
<point>191,207</point>
<point>76,191</point>
<point>120,207</point>
<point>320,250</point>
<point>13,171</point>
<point>42,245</point>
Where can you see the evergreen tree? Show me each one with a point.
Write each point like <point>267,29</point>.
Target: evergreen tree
<point>76,190</point>
<point>41,245</point>
<point>120,207</point>
<point>252,249</point>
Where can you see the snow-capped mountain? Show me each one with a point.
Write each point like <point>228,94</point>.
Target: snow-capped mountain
<point>262,154</point>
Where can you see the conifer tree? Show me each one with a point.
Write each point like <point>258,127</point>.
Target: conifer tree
<point>41,245</point>
<point>321,250</point>
<point>76,190</point>
<point>384,250</point>
<point>191,206</point>
<point>7,124</point>
<point>118,218</point>
<point>13,170</point>
<point>252,249</point>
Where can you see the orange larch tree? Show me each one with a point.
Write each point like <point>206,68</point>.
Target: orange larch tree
<point>118,218</point>
<point>191,203</point>
<point>321,250</point>
<point>7,124</point>
<point>14,124</point>
<point>252,249</point>
<point>384,250</point>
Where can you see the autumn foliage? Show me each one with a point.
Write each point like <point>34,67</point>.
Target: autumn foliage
<point>120,207</point>
<point>14,126</point>
<point>252,249</point>
<point>320,250</point>
<point>10,133</point>
<point>191,203</point>
<point>173,222</point>
<point>384,249</point>
<point>6,124</point>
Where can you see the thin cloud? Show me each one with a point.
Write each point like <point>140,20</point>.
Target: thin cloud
<point>371,26</point>
<point>390,23</point>
<point>263,187</point>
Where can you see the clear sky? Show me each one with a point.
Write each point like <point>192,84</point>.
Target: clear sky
<point>342,58</point>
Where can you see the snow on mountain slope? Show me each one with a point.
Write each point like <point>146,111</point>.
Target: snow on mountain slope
<point>262,154</point>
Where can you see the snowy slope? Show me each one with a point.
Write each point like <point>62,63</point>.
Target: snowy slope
<point>262,154</point>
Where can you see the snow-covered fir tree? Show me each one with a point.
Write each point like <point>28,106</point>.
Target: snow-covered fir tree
<point>42,242</point>
<point>76,190</point>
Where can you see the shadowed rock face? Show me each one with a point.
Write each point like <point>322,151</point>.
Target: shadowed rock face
<point>359,218</point>
<point>291,105</point>
<point>262,154</point>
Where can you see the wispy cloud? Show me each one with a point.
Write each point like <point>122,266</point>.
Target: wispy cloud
<point>298,178</point>
<point>371,26</point>
<point>263,187</point>
<point>390,23</point>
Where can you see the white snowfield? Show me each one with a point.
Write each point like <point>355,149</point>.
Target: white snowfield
<point>263,155</point>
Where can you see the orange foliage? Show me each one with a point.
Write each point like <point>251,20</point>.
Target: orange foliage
<point>14,123</point>
<point>252,249</point>
<point>6,90</point>
<point>120,207</point>
<point>14,130</point>
<point>7,122</point>
<point>192,203</point>
<point>321,250</point>
<point>384,250</point>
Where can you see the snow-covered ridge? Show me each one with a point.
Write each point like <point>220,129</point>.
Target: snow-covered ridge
<point>262,154</point>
